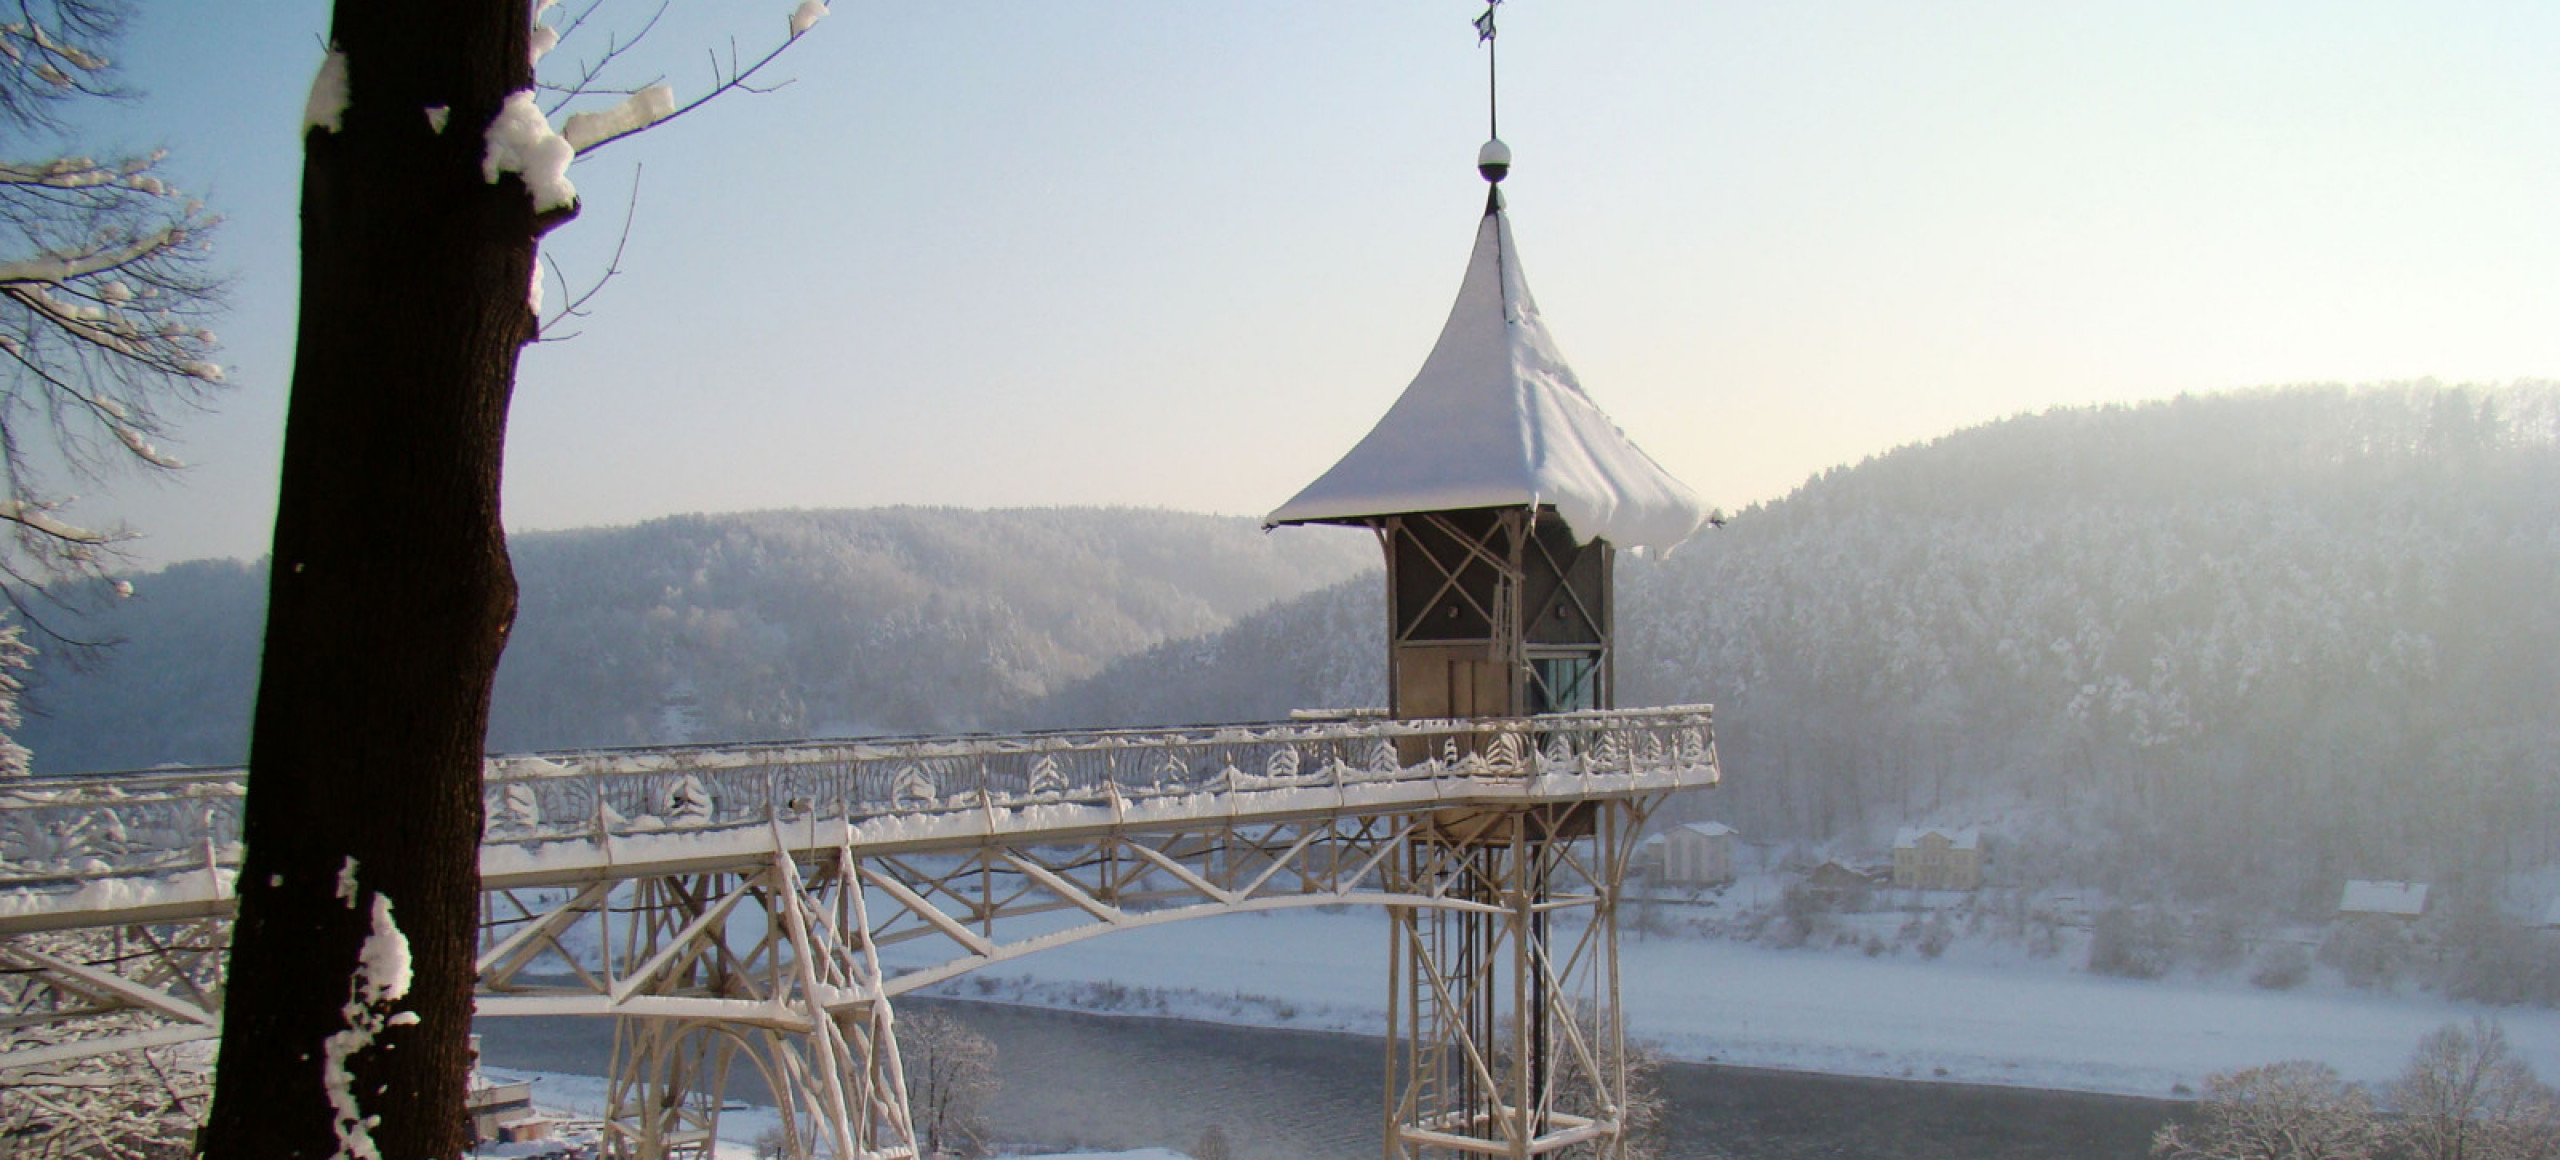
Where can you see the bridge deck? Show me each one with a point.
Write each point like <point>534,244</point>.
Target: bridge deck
<point>157,847</point>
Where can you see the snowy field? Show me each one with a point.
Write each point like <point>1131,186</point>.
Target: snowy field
<point>1970,1018</point>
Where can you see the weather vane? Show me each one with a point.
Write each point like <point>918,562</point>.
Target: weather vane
<point>1494,160</point>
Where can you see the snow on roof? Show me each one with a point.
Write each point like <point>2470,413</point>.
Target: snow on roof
<point>1908,837</point>
<point>1496,419</point>
<point>1709,829</point>
<point>2405,899</point>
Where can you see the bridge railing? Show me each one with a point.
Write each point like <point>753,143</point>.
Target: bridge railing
<point>86,832</point>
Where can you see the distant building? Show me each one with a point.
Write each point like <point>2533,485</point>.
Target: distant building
<point>1930,858</point>
<point>1698,854</point>
<point>500,1112</point>
<point>1839,880</point>
<point>2389,899</point>
<point>504,1112</point>
<point>1647,859</point>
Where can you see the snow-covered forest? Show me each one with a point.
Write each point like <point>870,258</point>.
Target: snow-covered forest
<point>763,625</point>
<point>2236,647</point>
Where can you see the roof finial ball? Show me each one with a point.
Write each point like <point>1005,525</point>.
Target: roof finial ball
<point>1494,160</point>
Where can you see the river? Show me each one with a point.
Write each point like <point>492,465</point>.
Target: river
<point>1078,1080</point>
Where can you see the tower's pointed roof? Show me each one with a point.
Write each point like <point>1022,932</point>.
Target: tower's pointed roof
<point>1496,419</point>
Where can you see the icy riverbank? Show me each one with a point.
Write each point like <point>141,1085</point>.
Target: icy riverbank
<point>1983,1019</point>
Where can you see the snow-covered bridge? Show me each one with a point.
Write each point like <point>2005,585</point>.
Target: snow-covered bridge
<point>701,892</point>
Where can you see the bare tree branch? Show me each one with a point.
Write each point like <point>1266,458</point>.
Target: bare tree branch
<point>104,294</point>
<point>725,78</point>
<point>588,74</point>
<point>576,307</point>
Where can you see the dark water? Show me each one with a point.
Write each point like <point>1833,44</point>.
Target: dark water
<point>1073,1080</point>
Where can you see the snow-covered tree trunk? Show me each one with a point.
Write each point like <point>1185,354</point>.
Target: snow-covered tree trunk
<point>390,598</point>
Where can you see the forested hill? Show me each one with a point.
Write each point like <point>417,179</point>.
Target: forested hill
<point>772,624</point>
<point>2239,645</point>
<point>2247,643</point>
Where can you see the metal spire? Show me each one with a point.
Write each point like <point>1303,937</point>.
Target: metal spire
<point>1494,160</point>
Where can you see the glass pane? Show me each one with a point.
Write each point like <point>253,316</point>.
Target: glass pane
<point>1565,684</point>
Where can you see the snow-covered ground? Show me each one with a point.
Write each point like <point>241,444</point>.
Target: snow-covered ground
<point>1975,1016</point>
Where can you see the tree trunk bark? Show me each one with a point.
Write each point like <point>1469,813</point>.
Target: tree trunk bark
<point>389,603</point>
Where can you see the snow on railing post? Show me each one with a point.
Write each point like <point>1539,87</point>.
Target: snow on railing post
<point>987,792</point>
<point>212,860</point>
<point>603,837</point>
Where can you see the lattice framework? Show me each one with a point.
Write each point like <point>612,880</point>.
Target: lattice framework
<point>758,910</point>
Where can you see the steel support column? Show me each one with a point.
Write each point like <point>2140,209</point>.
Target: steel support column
<point>1504,1036</point>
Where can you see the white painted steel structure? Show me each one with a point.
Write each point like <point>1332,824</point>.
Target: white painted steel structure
<point>765,903</point>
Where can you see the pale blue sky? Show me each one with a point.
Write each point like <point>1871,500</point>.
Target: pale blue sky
<point>1183,254</point>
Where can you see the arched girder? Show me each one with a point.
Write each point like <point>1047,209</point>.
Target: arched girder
<point>985,906</point>
<point>918,979</point>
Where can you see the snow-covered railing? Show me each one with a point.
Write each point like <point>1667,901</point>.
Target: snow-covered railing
<point>55,831</point>
<point>81,832</point>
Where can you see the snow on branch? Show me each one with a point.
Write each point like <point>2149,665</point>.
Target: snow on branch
<point>40,520</point>
<point>636,112</point>
<point>104,295</point>
<point>104,302</point>
<point>49,53</point>
<point>807,14</point>
<point>652,102</point>
<point>522,142</point>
